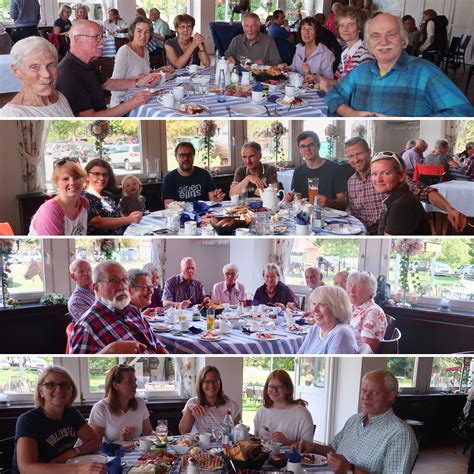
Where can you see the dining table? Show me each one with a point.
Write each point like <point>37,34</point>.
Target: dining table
<point>313,104</point>
<point>9,82</point>
<point>459,193</point>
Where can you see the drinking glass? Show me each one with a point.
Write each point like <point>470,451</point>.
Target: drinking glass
<point>162,431</point>
<point>211,319</point>
<point>313,189</point>
<point>217,433</point>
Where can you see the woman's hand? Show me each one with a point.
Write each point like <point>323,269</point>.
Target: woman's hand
<point>279,437</point>
<point>127,433</point>
<point>306,69</point>
<point>283,67</point>
<point>280,305</point>
<point>139,99</point>
<point>167,69</point>
<point>198,39</point>
<point>135,217</point>
<point>196,411</point>
<point>86,467</point>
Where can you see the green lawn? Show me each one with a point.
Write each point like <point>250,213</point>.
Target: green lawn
<point>9,376</point>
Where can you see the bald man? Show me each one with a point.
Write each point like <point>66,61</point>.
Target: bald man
<point>414,156</point>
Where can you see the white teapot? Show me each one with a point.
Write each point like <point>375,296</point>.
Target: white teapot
<point>270,198</point>
<point>240,432</point>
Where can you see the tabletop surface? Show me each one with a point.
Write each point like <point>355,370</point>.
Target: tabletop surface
<point>459,193</point>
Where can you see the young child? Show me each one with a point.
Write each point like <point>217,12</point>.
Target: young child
<point>131,200</point>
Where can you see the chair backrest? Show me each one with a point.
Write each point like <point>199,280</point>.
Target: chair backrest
<point>391,321</point>
<point>454,45</point>
<point>390,346</point>
<point>464,41</point>
<point>105,66</point>
<point>430,179</point>
<point>427,170</point>
<point>69,330</point>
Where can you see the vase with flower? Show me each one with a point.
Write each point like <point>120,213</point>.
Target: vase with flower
<point>331,137</point>
<point>277,130</point>
<point>207,131</point>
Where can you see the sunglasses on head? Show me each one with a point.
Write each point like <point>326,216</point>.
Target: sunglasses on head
<point>383,155</point>
<point>63,161</point>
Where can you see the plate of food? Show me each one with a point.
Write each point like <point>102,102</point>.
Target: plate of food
<point>250,110</point>
<point>236,90</point>
<point>210,336</point>
<point>161,327</point>
<point>279,229</point>
<point>313,460</point>
<point>207,462</point>
<point>295,329</point>
<point>329,212</point>
<point>343,229</point>
<point>265,336</point>
<point>292,101</point>
<point>99,458</point>
<point>192,109</point>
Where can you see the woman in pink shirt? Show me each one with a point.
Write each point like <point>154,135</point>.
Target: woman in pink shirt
<point>230,290</point>
<point>66,213</point>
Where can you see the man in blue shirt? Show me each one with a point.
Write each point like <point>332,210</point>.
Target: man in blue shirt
<point>281,36</point>
<point>395,83</point>
<point>26,16</point>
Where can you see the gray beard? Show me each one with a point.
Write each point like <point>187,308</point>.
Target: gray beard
<point>114,303</point>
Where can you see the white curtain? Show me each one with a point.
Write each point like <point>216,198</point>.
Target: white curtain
<point>158,257</point>
<point>185,367</point>
<point>371,124</point>
<point>31,141</point>
<point>454,133</point>
<point>281,253</point>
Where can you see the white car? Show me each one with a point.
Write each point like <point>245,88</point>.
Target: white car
<point>4,364</point>
<point>442,269</point>
<point>124,155</point>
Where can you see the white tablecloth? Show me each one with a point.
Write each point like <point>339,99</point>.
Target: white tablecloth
<point>8,81</point>
<point>459,193</point>
<point>285,178</point>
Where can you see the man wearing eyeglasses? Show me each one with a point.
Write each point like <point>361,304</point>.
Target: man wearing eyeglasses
<point>113,325</point>
<point>83,297</point>
<point>83,85</point>
<point>367,205</point>
<point>375,440</point>
<point>395,83</point>
<point>332,185</point>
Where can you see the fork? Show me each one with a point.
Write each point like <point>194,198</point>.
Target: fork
<point>268,112</point>
<point>227,107</point>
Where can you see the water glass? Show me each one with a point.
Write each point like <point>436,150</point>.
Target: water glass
<point>162,431</point>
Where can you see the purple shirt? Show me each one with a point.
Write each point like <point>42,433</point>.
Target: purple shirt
<point>283,294</point>
<point>156,301</point>
<point>221,293</point>
<point>177,290</point>
<point>412,158</point>
<point>340,340</point>
<point>79,302</point>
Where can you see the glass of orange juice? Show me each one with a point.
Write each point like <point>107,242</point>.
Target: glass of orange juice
<point>313,189</point>
<point>211,319</point>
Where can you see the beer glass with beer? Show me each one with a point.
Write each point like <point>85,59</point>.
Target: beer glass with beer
<point>162,431</point>
<point>210,319</point>
<point>313,189</point>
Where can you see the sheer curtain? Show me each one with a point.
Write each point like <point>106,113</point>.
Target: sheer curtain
<point>186,368</point>
<point>281,253</point>
<point>158,257</point>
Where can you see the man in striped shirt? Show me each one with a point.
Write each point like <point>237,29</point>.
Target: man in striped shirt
<point>375,440</point>
<point>83,297</point>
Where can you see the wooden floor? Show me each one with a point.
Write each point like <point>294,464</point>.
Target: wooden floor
<point>441,460</point>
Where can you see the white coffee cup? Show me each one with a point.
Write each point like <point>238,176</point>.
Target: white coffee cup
<point>290,91</point>
<point>190,228</point>
<point>192,68</point>
<point>184,325</point>
<point>167,100</point>
<point>242,232</point>
<point>302,229</point>
<point>178,93</point>
<point>224,326</point>
<point>258,96</point>
<point>246,76</point>
<point>295,467</point>
<point>235,199</point>
<point>289,319</point>
<point>205,441</point>
<point>207,230</point>
<point>255,326</point>
<point>143,444</point>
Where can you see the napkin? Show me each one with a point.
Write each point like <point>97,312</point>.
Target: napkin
<point>293,456</point>
<point>258,87</point>
<point>301,322</point>
<point>302,218</point>
<point>114,466</point>
<point>272,98</point>
<point>200,207</point>
<point>335,220</point>
<point>194,330</point>
<point>181,74</point>
<point>112,449</point>
<point>185,217</point>
<point>246,331</point>
<point>255,205</point>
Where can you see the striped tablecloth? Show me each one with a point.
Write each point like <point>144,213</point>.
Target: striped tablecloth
<point>316,105</point>
<point>109,50</point>
<point>151,224</point>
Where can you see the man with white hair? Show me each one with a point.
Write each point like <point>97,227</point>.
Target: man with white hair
<point>395,83</point>
<point>183,290</point>
<point>83,296</point>
<point>160,29</point>
<point>340,279</point>
<point>414,156</point>
<point>375,440</point>
<point>112,325</point>
<point>314,279</point>
<point>230,290</point>
<point>440,156</point>
<point>84,86</point>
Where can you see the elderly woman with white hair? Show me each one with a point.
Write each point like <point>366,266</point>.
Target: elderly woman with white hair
<point>368,318</point>
<point>35,64</point>
<point>230,290</point>
<point>156,297</point>
<point>331,334</point>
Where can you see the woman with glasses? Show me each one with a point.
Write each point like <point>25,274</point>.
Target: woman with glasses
<point>104,214</point>
<point>120,415</point>
<point>186,49</point>
<point>368,318</point>
<point>230,290</point>
<point>206,411</point>
<point>66,213</point>
<point>46,437</point>
<point>114,23</point>
<point>311,56</point>
<point>331,334</point>
<point>404,214</point>
<point>63,24</point>
<point>282,418</point>
<point>35,64</point>
<point>141,290</point>
<point>156,297</point>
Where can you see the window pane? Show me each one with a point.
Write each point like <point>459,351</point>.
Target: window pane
<point>131,253</point>
<point>26,263</point>
<point>72,139</point>
<point>313,372</point>
<point>292,12</point>
<point>168,8</point>
<point>5,11</point>
<point>404,369</point>
<point>96,11</point>
<point>450,373</point>
<point>260,131</point>
<point>153,374</point>
<point>178,131</point>
<point>330,255</point>
<point>319,126</point>
<point>443,269</point>
<point>18,375</point>
<point>355,128</point>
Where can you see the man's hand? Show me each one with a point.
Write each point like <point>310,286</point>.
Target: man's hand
<point>185,304</point>
<point>139,99</point>
<point>304,446</point>
<point>457,219</point>
<point>217,195</point>
<point>258,182</point>
<point>338,463</point>
<point>149,312</point>
<point>124,347</point>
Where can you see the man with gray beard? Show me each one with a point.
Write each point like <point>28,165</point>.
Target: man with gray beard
<point>112,325</point>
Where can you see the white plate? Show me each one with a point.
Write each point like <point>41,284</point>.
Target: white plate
<point>160,327</point>
<point>280,102</point>
<point>217,337</point>
<point>343,229</point>
<point>256,334</point>
<point>328,212</point>
<point>100,458</point>
<point>251,110</point>
<point>258,101</point>
<point>301,331</point>
<point>318,461</point>
<point>205,110</point>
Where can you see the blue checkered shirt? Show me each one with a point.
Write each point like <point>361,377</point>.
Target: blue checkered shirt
<point>413,87</point>
<point>386,445</point>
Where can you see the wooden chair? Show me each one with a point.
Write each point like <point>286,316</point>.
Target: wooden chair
<point>391,346</point>
<point>461,52</point>
<point>105,66</point>
<point>391,321</point>
<point>450,57</point>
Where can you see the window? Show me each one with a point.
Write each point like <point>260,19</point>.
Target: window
<point>330,255</point>
<point>312,372</point>
<point>292,12</point>
<point>355,128</point>
<point>72,139</point>
<point>156,377</point>
<point>319,126</point>
<point>178,131</point>
<point>95,7</point>
<point>450,373</point>
<point>168,8</point>
<point>404,368</point>
<point>260,131</point>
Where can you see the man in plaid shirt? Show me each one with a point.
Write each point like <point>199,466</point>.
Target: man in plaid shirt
<point>112,325</point>
<point>375,440</point>
<point>367,205</point>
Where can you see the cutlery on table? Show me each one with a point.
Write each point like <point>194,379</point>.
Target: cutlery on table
<point>227,107</point>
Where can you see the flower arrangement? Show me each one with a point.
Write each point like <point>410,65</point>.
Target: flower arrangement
<point>360,131</point>
<point>53,298</point>
<point>6,248</point>
<point>207,131</point>
<point>277,130</point>
<point>100,129</point>
<point>105,249</point>
<point>332,137</point>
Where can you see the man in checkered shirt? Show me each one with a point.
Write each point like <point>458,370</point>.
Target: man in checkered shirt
<point>112,325</point>
<point>374,441</point>
<point>367,205</point>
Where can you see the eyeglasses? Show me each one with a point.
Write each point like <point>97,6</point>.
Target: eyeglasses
<point>63,161</point>
<point>97,174</point>
<point>115,281</point>
<point>143,287</point>
<point>54,385</point>
<point>276,388</point>
<point>185,155</point>
<point>378,36</point>
<point>310,145</point>
<point>383,155</point>
<point>97,38</point>
<point>230,273</point>
<point>211,382</point>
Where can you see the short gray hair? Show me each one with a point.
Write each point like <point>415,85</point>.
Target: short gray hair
<point>184,260</point>
<point>100,271</point>
<point>389,379</point>
<point>401,26</point>
<point>272,267</point>
<point>75,263</point>
<point>356,141</point>
<point>441,143</point>
<point>249,15</point>
<point>151,268</point>
<point>336,299</point>
<point>29,46</point>
<point>256,146</point>
<point>314,269</point>
<point>366,279</point>
<point>230,266</point>
<point>134,274</point>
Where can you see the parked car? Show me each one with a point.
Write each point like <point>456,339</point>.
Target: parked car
<point>442,269</point>
<point>463,269</point>
<point>4,364</point>
<point>37,363</point>
<point>124,155</point>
